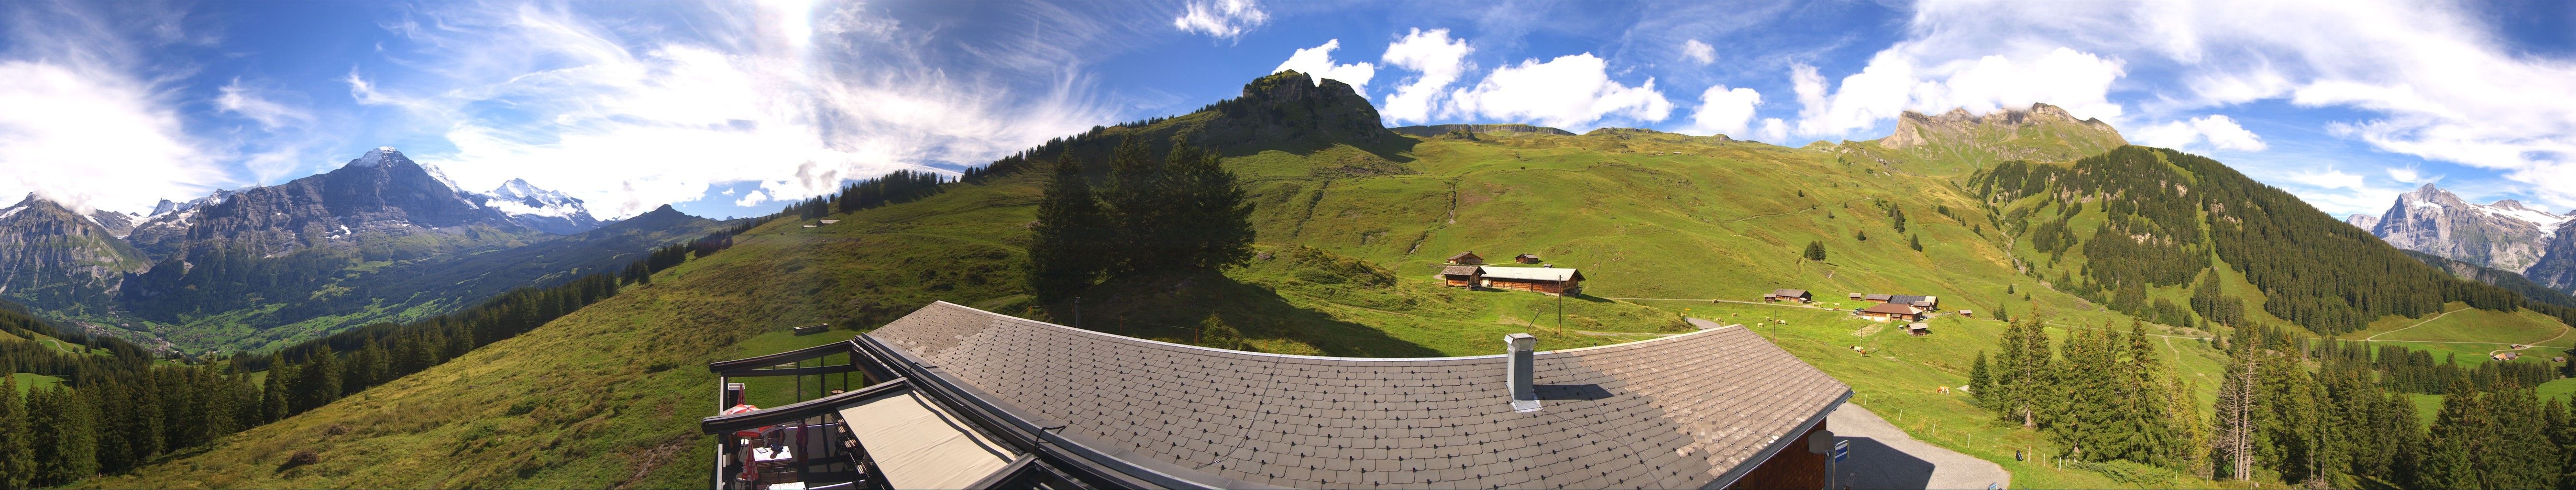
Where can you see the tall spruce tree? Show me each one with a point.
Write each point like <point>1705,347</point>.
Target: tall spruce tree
<point>1215,225</point>
<point>1815,251</point>
<point>1067,247</point>
<point>2449,455</point>
<point>1141,211</point>
<point>17,459</point>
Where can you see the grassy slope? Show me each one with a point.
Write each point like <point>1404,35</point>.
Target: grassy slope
<point>610,392</point>
<point>30,381</point>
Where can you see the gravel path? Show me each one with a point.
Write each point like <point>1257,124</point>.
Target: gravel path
<point>1883,456</point>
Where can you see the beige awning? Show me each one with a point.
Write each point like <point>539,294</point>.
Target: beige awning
<point>917,444</point>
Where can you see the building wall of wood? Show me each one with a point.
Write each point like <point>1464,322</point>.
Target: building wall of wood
<point>1793,467</point>
<point>1460,281</point>
<point>1550,287</point>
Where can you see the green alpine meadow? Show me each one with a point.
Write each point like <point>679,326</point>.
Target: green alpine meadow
<point>904,245</point>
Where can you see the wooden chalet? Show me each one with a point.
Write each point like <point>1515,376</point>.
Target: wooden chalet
<point>1918,329</point>
<point>1798,295</point>
<point>1883,312</point>
<point>1526,258</point>
<point>1467,258</point>
<point>1548,280</point>
<point>2506,356</point>
<point>1924,302</point>
<point>1462,276</point>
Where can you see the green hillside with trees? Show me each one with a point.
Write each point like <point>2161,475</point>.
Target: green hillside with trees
<point>2143,317</point>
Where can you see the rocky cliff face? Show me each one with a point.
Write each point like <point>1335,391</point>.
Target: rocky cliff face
<point>397,207</point>
<point>2044,132</point>
<point>1291,110</point>
<point>54,258</point>
<point>2504,235</point>
<point>2557,265</point>
<point>2362,221</point>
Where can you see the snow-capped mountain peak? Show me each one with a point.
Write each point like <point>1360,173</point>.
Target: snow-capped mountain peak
<point>381,156</point>
<point>2504,235</point>
<point>538,208</point>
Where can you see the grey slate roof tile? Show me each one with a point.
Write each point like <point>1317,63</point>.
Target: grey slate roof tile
<point>1680,410</point>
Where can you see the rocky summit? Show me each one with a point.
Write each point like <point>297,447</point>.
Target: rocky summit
<point>2503,235</point>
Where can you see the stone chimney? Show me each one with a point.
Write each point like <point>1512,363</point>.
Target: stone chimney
<point>1523,350</point>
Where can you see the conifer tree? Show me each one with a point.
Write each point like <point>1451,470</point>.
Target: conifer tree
<point>1140,210</point>
<point>1979,381</point>
<point>1215,225</point>
<point>1815,251</point>
<point>1915,241</point>
<point>75,437</point>
<point>273,402</point>
<point>2448,461</point>
<point>17,461</point>
<point>1068,244</point>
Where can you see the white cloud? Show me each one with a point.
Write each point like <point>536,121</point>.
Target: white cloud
<point>1569,92</point>
<point>1903,78</point>
<point>1438,59</point>
<point>1724,111</point>
<point>2432,80</point>
<point>629,124</point>
<point>1698,52</point>
<point>1224,19</point>
<point>252,104</point>
<point>2404,174</point>
<point>83,125</point>
<point>749,199</point>
<point>1774,130</point>
<point>2218,130</point>
<point>1318,63</point>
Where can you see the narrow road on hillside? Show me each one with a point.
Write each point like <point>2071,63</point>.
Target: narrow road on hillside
<point>2375,337</point>
<point>2561,333</point>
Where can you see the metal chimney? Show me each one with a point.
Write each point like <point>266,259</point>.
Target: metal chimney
<point>1523,349</point>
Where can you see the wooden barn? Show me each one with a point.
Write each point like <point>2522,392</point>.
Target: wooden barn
<point>1892,312</point>
<point>1526,258</point>
<point>1918,329</point>
<point>1462,276</point>
<point>1467,258</point>
<point>1798,295</point>
<point>1548,280</point>
<point>2507,356</point>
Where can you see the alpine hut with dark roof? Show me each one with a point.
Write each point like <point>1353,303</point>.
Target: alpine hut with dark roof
<point>963,398</point>
<point>1526,258</point>
<point>1892,312</point>
<point>1462,276</point>
<point>1467,258</point>
<point>1798,295</point>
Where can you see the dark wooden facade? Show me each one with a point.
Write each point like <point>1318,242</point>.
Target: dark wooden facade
<point>1536,285</point>
<point>1794,467</point>
<point>1467,258</point>
<point>1462,276</point>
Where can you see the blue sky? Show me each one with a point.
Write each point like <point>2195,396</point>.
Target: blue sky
<point>730,108</point>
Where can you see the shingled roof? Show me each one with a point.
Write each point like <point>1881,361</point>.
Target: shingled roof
<point>1458,270</point>
<point>1691,410</point>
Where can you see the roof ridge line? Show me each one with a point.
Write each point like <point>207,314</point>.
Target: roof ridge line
<point>1298,356</point>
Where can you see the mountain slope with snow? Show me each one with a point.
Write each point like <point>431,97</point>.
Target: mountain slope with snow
<point>2503,235</point>
<point>543,210</point>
